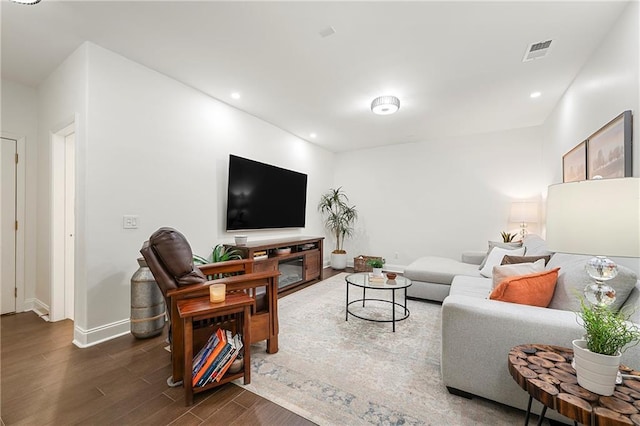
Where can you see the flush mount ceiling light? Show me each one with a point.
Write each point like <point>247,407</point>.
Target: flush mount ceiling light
<point>385,105</point>
<point>26,1</point>
<point>535,95</point>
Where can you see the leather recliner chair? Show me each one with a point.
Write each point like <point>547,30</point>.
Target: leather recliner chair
<point>170,259</point>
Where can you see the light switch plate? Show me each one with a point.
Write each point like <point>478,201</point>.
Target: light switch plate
<point>130,222</point>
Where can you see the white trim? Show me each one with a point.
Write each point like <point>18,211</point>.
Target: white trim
<point>21,190</point>
<point>56,149</point>
<point>85,338</point>
<point>37,306</point>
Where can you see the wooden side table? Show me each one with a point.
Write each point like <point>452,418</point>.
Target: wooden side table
<point>200,308</point>
<point>545,372</point>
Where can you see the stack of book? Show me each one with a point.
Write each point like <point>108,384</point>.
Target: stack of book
<point>262,254</point>
<point>215,358</point>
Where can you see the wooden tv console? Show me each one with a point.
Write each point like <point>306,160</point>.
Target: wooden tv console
<point>300,265</point>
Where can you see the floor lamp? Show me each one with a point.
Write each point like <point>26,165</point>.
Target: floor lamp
<point>595,217</point>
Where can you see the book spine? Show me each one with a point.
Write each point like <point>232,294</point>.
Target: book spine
<point>207,376</point>
<point>212,356</point>
<point>223,362</point>
<point>201,358</point>
<point>236,351</point>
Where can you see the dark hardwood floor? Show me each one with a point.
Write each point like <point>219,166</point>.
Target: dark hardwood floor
<point>46,380</point>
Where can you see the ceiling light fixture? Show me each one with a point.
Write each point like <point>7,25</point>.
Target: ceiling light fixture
<point>26,1</point>
<point>385,105</point>
<point>235,95</point>
<point>312,135</point>
<point>535,94</point>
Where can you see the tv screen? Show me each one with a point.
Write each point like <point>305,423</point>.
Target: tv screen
<point>264,196</point>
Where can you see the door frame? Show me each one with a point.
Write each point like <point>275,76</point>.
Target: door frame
<point>20,216</point>
<point>58,300</point>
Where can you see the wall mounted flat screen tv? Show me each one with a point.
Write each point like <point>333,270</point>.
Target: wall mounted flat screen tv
<point>262,196</point>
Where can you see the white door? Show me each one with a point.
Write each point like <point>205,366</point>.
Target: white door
<point>63,225</point>
<point>8,153</point>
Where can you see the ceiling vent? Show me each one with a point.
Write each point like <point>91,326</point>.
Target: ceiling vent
<point>329,31</point>
<point>537,50</point>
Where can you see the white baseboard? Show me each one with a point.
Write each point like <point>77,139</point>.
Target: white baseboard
<point>84,338</point>
<point>37,306</point>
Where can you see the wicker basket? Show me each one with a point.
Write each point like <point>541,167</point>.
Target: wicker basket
<point>360,263</point>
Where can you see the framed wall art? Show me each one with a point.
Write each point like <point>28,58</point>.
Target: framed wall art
<point>609,149</point>
<point>574,164</point>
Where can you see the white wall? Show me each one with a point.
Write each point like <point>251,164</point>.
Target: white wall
<point>446,196</point>
<point>61,101</point>
<point>19,119</point>
<point>159,149</point>
<point>438,197</point>
<point>146,145</point>
<point>608,84</point>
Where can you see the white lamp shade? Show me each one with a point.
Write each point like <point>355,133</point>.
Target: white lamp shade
<point>524,212</point>
<point>595,217</point>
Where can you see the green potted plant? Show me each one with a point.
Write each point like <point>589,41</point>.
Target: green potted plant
<point>507,237</point>
<point>597,356</point>
<point>376,265</point>
<point>220,253</point>
<point>339,218</point>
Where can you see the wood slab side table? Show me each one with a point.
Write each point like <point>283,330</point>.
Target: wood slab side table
<point>200,308</point>
<point>545,372</point>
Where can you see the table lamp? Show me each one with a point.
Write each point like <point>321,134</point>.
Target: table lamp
<point>596,217</point>
<point>523,212</point>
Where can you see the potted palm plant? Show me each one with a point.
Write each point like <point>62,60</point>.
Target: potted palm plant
<point>339,218</point>
<point>597,356</point>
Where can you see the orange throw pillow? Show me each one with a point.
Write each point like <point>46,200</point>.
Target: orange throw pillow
<point>532,289</point>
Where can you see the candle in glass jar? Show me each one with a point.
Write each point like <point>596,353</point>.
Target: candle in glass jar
<point>216,293</point>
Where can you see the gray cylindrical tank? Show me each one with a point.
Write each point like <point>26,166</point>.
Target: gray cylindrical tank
<point>147,303</point>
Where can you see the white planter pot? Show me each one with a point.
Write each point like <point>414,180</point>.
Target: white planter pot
<point>596,372</point>
<point>338,260</point>
<point>377,272</point>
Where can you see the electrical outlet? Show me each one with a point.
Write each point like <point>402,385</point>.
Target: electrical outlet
<point>130,222</point>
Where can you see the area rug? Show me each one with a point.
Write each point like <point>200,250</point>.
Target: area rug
<point>337,372</point>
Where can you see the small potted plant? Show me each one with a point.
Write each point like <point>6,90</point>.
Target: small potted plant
<point>597,356</point>
<point>507,237</point>
<point>376,265</point>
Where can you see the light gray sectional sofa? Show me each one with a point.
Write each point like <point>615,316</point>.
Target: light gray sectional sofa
<point>432,276</point>
<point>477,333</point>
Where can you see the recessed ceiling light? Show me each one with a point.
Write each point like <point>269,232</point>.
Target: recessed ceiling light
<point>385,105</point>
<point>235,95</point>
<point>535,94</point>
<point>312,135</point>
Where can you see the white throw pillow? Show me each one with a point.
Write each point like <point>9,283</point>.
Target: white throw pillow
<point>495,258</point>
<point>500,272</point>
